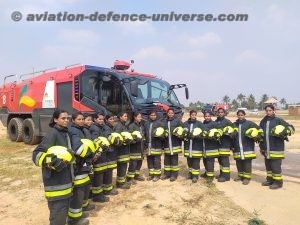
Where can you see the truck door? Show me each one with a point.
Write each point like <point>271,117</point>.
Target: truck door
<point>64,96</point>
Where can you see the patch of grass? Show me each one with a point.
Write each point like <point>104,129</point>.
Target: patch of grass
<point>255,220</point>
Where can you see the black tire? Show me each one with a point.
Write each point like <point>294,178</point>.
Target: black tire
<point>28,132</point>
<point>15,129</point>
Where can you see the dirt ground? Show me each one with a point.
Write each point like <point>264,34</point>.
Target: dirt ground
<point>181,202</point>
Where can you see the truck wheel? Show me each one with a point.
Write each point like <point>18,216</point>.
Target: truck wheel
<point>15,129</point>
<point>28,132</point>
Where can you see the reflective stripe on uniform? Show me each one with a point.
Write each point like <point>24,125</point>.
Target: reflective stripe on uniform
<point>276,154</point>
<point>123,158</point>
<point>112,165</point>
<point>135,156</point>
<point>194,172</point>
<point>157,172</point>
<point>224,151</point>
<point>97,190</point>
<point>174,168</point>
<point>209,153</point>
<point>108,187</point>
<point>99,167</point>
<point>40,158</point>
<point>154,151</point>
<point>247,175</point>
<point>225,169</point>
<point>121,179</point>
<point>210,174</point>
<point>167,168</point>
<point>75,213</point>
<point>195,153</point>
<point>176,149</point>
<point>58,190</point>
<point>85,203</point>
<point>130,174</point>
<point>276,176</point>
<point>81,179</point>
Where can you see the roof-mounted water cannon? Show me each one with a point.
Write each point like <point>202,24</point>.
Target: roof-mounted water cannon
<point>121,65</point>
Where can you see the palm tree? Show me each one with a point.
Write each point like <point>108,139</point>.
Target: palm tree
<point>251,101</point>
<point>226,99</point>
<point>264,98</point>
<point>240,98</point>
<point>234,104</point>
<point>283,103</point>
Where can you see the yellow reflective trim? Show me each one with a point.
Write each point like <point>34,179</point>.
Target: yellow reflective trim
<point>108,188</point>
<point>273,155</point>
<point>50,194</point>
<point>74,215</point>
<point>124,159</point>
<point>212,153</point>
<point>85,203</point>
<point>101,168</point>
<point>41,159</point>
<point>81,181</point>
<point>252,155</point>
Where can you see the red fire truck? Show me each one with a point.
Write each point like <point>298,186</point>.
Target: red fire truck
<point>27,106</point>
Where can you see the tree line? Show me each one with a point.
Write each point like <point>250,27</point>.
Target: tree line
<point>242,101</point>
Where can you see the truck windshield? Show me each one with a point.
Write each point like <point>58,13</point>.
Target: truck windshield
<point>154,91</point>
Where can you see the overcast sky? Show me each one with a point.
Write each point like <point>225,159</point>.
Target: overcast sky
<point>259,56</point>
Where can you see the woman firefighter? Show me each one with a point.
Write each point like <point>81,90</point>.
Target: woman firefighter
<point>137,131</point>
<point>244,142</point>
<point>193,145</point>
<point>211,145</point>
<point>172,145</point>
<point>276,131</point>
<point>55,157</point>
<point>123,150</point>
<point>225,146</point>
<point>154,144</point>
<point>99,131</point>
<point>84,150</point>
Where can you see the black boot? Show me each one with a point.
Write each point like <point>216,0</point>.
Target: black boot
<point>276,185</point>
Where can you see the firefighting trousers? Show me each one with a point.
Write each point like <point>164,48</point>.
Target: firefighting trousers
<point>209,164</point>
<point>273,168</point>
<point>97,188</point>
<point>107,180</point>
<point>76,201</point>
<point>244,168</point>
<point>134,168</point>
<point>171,167</point>
<point>154,165</point>
<point>58,211</point>
<point>121,172</point>
<point>86,195</point>
<point>193,166</point>
<point>224,166</point>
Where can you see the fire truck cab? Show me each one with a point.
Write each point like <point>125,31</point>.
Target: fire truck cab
<point>27,106</point>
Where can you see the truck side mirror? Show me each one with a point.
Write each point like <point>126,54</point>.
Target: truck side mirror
<point>187,93</point>
<point>134,88</point>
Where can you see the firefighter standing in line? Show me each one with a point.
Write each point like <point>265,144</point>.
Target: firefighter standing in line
<point>211,146</point>
<point>83,149</point>
<point>244,143</point>
<point>88,121</point>
<point>136,149</point>
<point>272,146</point>
<point>225,146</point>
<point>154,142</point>
<point>111,155</point>
<point>57,174</point>
<point>123,151</point>
<point>193,145</point>
<point>172,146</point>
<point>99,129</point>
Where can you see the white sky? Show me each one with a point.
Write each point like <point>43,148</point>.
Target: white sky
<point>213,58</point>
